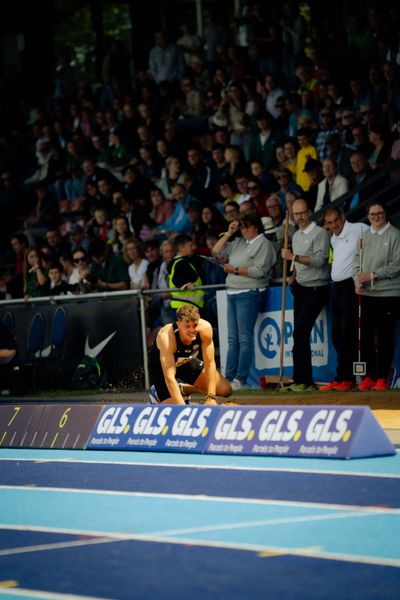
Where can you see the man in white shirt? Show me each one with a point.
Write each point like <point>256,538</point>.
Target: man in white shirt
<point>344,241</point>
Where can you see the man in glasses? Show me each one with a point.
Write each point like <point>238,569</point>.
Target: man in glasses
<point>310,288</point>
<point>344,241</point>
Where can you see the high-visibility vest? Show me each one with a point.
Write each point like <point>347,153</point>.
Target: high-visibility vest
<point>181,297</point>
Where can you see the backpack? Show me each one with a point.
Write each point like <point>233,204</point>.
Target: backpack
<point>90,373</point>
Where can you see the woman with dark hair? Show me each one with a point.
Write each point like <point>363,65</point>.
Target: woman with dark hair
<point>380,155</point>
<point>251,258</point>
<point>376,273</point>
<point>212,218</point>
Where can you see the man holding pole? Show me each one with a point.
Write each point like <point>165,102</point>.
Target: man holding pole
<point>310,287</point>
<point>344,241</point>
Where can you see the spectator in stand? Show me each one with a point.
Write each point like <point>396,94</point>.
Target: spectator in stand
<point>166,61</point>
<point>332,186</point>
<point>77,237</point>
<point>286,184</point>
<point>134,255</point>
<point>327,128</point>
<point>119,234</point>
<point>36,280</point>
<point>212,219</point>
<point>190,43</point>
<point>56,244</point>
<point>80,260</point>
<point>267,179</point>
<point>231,211</point>
<point>58,285</point>
<point>228,191</point>
<point>249,269</point>
<point>290,149</point>
<point>257,195</point>
<point>313,168</point>
<point>361,142</point>
<point>274,210</point>
<point>100,226</point>
<point>361,173</point>
<point>380,156</point>
<point>68,267</point>
<point>167,254</point>
<point>306,152</point>
<point>376,273</point>
<point>135,188</point>
<point>15,286</point>
<point>108,273</point>
<point>162,208</point>
<point>120,155</point>
<point>341,155</point>
<point>199,173</point>
<point>173,175</point>
<point>263,142</point>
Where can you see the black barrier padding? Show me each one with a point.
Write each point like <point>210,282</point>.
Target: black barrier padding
<point>109,327</point>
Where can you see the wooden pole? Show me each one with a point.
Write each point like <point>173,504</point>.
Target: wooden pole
<point>283,305</point>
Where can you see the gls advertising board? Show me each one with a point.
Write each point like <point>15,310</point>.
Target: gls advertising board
<point>307,431</point>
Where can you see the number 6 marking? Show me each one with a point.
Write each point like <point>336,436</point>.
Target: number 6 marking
<point>64,418</point>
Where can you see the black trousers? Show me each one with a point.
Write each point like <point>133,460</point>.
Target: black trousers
<point>344,328</point>
<point>308,303</point>
<point>379,317</point>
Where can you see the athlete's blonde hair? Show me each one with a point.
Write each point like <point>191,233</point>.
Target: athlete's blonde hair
<point>188,311</point>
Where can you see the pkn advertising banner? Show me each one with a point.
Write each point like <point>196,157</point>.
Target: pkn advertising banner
<point>267,339</point>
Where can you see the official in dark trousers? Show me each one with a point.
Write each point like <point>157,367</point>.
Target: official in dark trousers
<point>344,241</point>
<point>310,287</point>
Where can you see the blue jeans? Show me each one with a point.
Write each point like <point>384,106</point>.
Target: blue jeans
<point>243,311</point>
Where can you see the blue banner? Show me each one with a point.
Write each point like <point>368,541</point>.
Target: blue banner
<point>267,340</point>
<point>307,431</point>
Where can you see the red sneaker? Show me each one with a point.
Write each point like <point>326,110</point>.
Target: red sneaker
<point>366,384</point>
<point>345,386</point>
<point>380,385</point>
<point>329,387</point>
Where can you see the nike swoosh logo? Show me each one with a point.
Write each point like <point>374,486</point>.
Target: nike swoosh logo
<point>45,352</point>
<point>95,351</point>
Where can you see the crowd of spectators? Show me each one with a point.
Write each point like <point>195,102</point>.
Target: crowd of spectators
<point>94,184</point>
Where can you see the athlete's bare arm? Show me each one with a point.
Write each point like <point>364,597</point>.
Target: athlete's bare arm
<point>166,343</point>
<point>208,354</point>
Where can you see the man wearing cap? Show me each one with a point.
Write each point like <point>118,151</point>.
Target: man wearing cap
<point>310,288</point>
